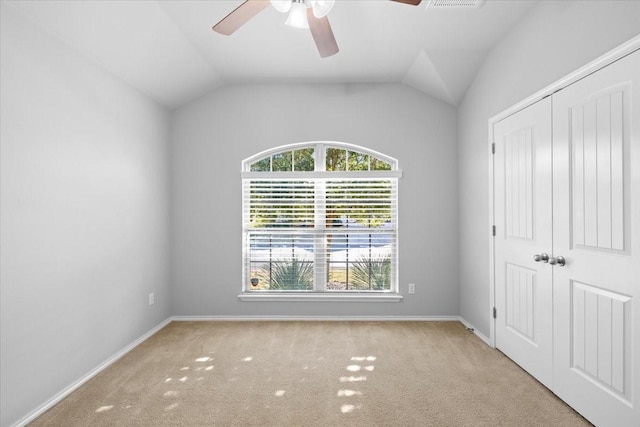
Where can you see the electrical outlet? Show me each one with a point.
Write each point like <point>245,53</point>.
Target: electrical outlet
<point>412,288</point>
<point>151,298</point>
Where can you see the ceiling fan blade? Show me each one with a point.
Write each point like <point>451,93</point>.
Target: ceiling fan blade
<point>240,15</point>
<point>411,2</point>
<point>322,34</point>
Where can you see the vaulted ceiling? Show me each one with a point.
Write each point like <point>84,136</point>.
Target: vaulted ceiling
<point>167,50</point>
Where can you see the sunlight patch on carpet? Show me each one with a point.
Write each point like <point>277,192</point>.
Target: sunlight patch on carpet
<point>172,406</point>
<point>352,379</point>
<point>349,393</point>
<point>346,409</point>
<point>363,358</point>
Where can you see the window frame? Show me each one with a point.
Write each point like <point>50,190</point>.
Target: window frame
<point>319,176</point>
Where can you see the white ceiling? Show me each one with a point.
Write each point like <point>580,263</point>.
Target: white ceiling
<point>167,50</point>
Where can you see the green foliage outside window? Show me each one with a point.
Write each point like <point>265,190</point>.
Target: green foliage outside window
<point>262,165</point>
<point>371,273</point>
<point>338,159</point>
<point>287,275</point>
<point>287,161</point>
<point>303,160</point>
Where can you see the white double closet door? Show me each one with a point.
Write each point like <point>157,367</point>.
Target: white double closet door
<point>567,189</point>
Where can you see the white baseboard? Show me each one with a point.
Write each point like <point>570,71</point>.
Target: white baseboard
<point>71,388</point>
<point>479,334</point>
<point>316,318</point>
<point>334,319</point>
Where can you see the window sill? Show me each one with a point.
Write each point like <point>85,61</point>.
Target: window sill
<point>321,297</point>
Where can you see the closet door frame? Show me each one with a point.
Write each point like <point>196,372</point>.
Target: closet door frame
<point>593,66</point>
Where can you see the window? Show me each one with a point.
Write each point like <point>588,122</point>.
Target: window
<point>320,218</point>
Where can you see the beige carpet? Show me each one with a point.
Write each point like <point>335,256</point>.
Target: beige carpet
<point>312,374</point>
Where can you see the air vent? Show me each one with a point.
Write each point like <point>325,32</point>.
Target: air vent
<point>454,4</point>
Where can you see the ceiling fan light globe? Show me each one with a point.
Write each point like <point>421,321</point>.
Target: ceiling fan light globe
<point>298,16</point>
<point>322,7</point>
<point>281,6</point>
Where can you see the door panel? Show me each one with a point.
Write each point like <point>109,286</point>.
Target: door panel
<point>596,213</point>
<point>520,292</point>
<point>598,170</point>
<point>598,341</point>
<point>523,228</point>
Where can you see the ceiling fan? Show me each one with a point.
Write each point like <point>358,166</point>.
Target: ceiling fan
<point>311,14</point>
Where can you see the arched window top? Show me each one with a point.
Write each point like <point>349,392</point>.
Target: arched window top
<point>319,157</point>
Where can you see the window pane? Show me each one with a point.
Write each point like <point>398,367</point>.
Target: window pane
<point>282,162</point>
<point>371,273</point>
<point>337,275</point>
<point>366,203</point>
<point>303,160</point>
<point>263,165</point>
<point>379,165</point>
<point>358,161</point>
<point>282,262</point>
<point>336,159</point>
<point>280,204</point>
<point>359,261</point>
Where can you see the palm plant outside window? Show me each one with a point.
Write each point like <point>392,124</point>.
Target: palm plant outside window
<point>320,217</point>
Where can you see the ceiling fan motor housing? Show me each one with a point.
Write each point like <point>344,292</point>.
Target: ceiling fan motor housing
<point>320,7</point>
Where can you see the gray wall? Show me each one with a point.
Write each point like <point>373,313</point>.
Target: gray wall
<point>211,137</point>
<point>87,173</point>
<point>556,38</point>
<point>83,216</point>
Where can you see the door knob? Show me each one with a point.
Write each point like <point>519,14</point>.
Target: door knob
<point>557,260</point>
<point>541,257</point>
